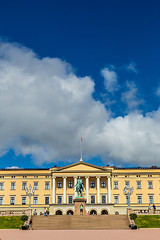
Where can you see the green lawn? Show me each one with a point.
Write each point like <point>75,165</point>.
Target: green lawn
<point>149,221</point>
<point>11,222</point>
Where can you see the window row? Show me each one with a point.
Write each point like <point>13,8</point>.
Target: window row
<point>70,199</point>
<point>35,200</point>
<point>139,199</point>
<point>127,184</point>
<point>92,184</point>
<point>24,185</point>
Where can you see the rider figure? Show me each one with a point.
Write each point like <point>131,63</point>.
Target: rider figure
<point>79,186</point>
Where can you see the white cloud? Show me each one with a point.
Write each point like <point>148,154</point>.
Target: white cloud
<point>13,167</point>
<point>45,109</point>
<point>132,67</point>
<point>110,79</point>
<point>130,97</point>
<point>158,91</point>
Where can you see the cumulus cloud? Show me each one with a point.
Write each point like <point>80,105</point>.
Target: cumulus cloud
<point>45,109</point>
<point>13,167</point>
<point>130,97</point>
<point>158,92</point>
<point>132,67</point>
<point>110,79</point>
<point>44,106</point>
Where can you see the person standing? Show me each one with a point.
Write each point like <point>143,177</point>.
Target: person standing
<point>149,208</point>
<point>81,209</point>
<point>45,212</point>
<point>154,208</point>
<point>35,212</point>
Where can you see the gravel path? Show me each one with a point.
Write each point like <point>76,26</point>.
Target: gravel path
<point>146,234</point>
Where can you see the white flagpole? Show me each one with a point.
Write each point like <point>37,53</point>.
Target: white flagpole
<point>81,160</point>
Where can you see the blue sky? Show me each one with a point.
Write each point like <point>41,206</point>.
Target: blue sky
<point>117,45</point>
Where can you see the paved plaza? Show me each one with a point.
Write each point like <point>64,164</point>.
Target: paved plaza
<point>146,234</point>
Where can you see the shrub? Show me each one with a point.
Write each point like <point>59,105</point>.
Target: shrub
<point>133,216</point>
<point>24,218</point>
<point>24,227</point>
<point>133,226</point>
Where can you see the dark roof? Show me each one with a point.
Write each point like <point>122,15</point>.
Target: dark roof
<point>19,169</point>
<point>137,168</point>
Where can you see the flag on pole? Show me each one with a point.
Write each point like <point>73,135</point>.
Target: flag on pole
<point>81,150</point>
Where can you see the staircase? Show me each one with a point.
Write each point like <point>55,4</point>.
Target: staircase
<point>71,222</point>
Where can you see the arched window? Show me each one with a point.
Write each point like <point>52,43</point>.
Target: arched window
<point>104,212</point>
<point>58,212</point>
<point>93,212</point>
<point>116,213</point>
<point>69,212</point>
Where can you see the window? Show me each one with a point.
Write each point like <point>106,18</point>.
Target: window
<point>36,185</point>
<point>13,185</point>
<point>70,184</point>
<point>23,200</point>
<point>92,199</point>
<point>1,185</point>
<point>138,184</point>
<point>1,200</point>
<point>92,184</point>
<point>59,184</point>
<point>150,184</point>
<point>116,199</point>
<point>47,185</point>
<point>103,184</point>
<point>35,176</point>
<point>139,199</point>
<point>151,199</point>
<point>127,184</point>
<point>12,200</point>
<point>24,185</point>
<point>46,200</point>
<point>115,184</point>
<point>12,176</point>
<point>70,199</point>
<point>127,200</point>
<point>59,199</point>
<point>103,199</point>
<point>24,176</point>
<point>35,200</point>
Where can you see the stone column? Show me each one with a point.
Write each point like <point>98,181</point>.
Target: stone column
<point>98,189</point>
<point>64,190</point>
<point>87,189</point>
<point>75,181</point>
<point>109,190</point>
<point>54,190</point>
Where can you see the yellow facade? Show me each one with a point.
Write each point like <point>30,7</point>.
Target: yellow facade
<point>103,188</point>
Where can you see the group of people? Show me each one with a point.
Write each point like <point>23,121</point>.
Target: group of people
<point>154,207</point>
<point>46,212</point>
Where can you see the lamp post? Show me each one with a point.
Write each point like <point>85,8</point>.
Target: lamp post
<point>30,193</point>
<point>128,192</point>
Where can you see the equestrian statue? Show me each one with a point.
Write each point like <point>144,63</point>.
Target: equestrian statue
<point>79,187</point>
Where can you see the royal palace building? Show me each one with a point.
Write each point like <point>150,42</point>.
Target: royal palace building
<point>103,188</point>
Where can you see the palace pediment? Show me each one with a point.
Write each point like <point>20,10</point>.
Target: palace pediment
<point>82,167</point>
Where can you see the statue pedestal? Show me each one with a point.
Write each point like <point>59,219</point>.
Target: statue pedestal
<point>77,203</point>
